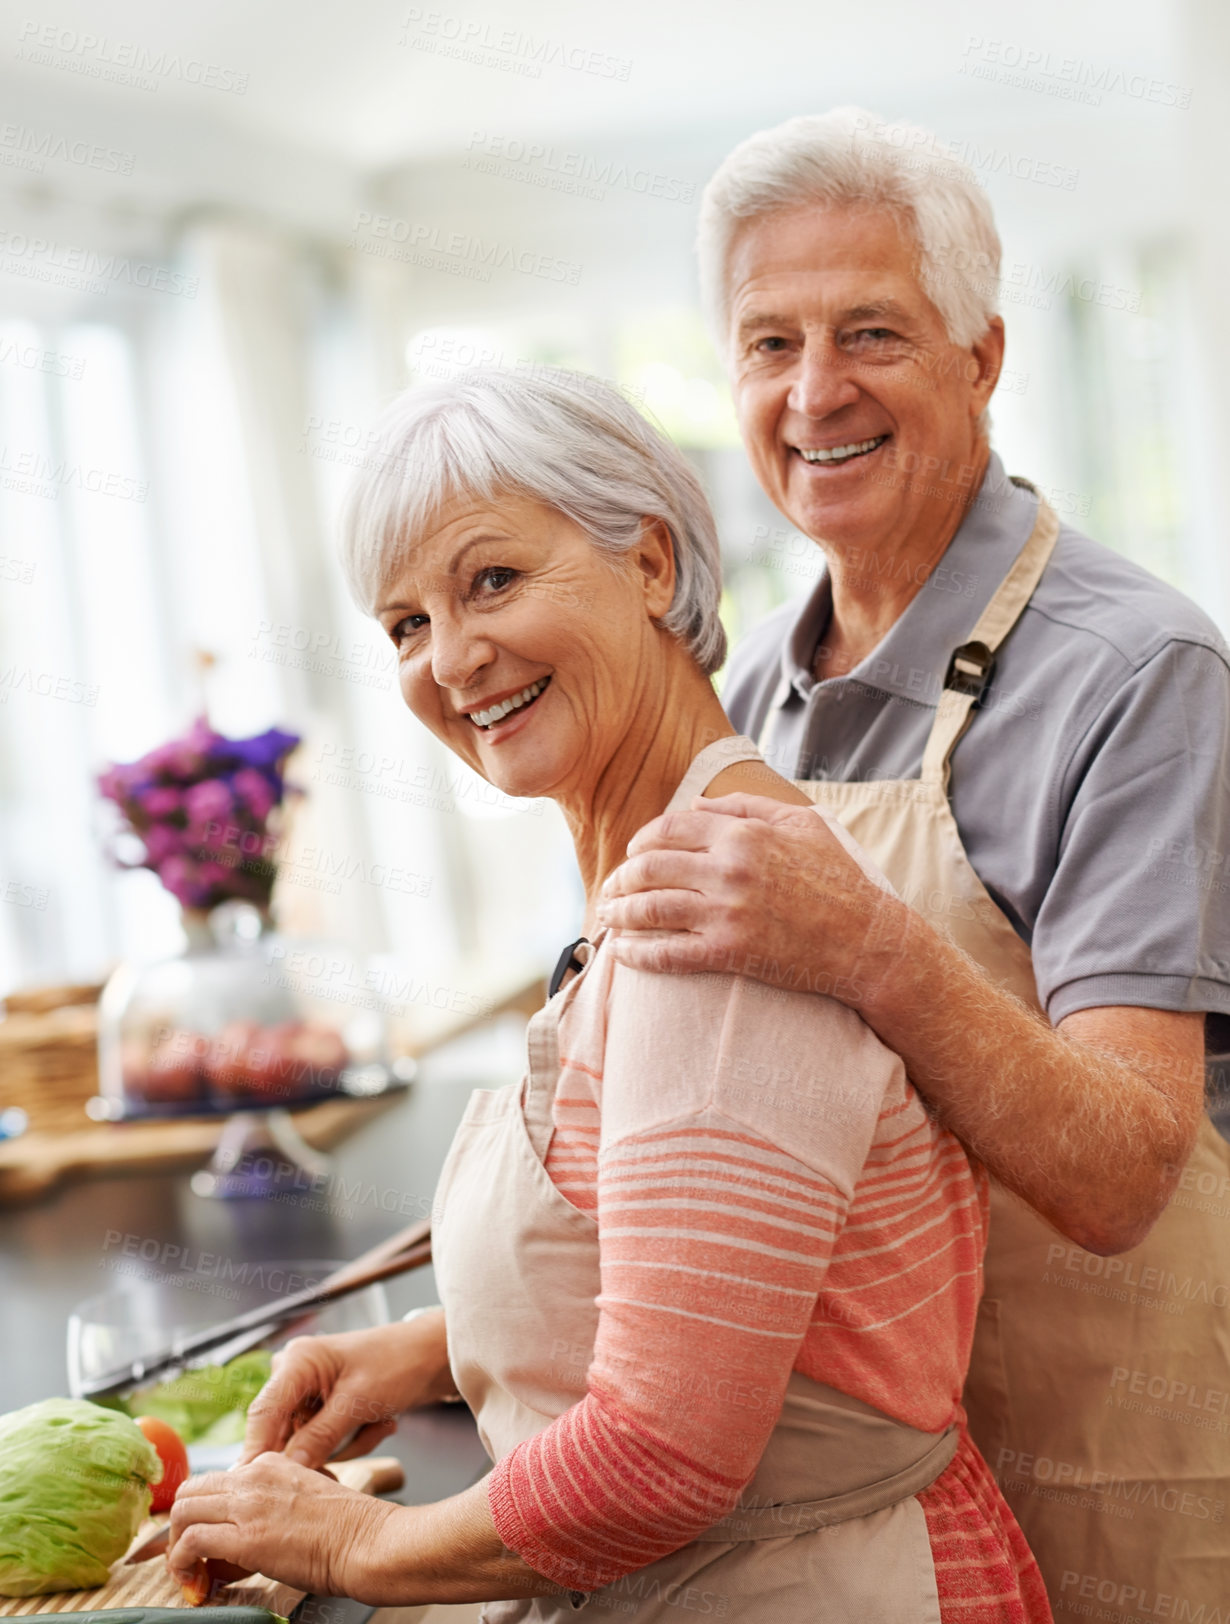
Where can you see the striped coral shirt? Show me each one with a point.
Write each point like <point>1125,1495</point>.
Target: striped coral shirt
<point>770,1196</point>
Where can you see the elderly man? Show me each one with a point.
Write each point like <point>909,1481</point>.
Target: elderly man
<point>1032,738</point>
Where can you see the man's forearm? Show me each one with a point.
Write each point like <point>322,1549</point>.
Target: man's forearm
<point>1091,1131</point>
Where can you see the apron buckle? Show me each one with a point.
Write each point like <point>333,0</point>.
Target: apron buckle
<point>969,670</point>
<point>567,961</point>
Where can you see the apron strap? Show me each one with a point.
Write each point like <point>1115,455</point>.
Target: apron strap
<point>969,669</point>
<point>542,1048</point>
<point>970,666</point>
<point>542,1074</point>
<point>542,1033</point>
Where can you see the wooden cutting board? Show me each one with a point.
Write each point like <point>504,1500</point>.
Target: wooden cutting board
<point>149,1584</point>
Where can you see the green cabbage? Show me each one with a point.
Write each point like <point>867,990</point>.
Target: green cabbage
<point>209,1405</point>
<point>74,1489</point>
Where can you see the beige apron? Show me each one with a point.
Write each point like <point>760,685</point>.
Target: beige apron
<point>828,1529</point>
<point>1098,1387</point>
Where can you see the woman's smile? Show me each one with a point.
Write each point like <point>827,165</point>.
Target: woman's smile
<point>503,715</point>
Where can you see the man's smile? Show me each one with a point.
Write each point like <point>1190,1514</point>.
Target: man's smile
<point>835,456</point>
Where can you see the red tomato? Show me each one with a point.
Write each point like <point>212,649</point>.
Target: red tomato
<point>171,1453</point>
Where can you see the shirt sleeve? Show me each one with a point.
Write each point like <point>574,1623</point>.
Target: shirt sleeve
<point>1137,912</point>
<point>735,1121</point>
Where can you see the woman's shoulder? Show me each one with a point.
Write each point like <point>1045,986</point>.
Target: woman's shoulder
<point>755,777</point>
<point>792,1067</point>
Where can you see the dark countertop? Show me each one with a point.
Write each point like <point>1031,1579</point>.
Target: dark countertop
<point>55,1252</point>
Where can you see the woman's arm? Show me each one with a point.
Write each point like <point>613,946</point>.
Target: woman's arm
<point>447,1552</point>
<point>1090,1122</point>
<point>719,1205</point>
<point>297,1525</point>
<point>718,1208</point>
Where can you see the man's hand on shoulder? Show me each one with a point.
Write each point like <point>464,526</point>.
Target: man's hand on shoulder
<point>1090,1123</point>
<point>748,885</point>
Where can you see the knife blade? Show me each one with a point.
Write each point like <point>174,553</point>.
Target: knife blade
<point>155,1545</point>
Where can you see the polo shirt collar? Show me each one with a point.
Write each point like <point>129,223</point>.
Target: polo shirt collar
<point>911,658</point>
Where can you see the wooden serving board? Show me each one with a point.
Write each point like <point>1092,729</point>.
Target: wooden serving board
<point>35,1161</point>
<point>149,1584</point>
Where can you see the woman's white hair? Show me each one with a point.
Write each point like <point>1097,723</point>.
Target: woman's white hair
<point>567,440</point>
<point>851,157</point>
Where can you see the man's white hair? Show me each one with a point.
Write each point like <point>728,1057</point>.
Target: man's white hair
<point>567,440</point>
<point>850,157</point>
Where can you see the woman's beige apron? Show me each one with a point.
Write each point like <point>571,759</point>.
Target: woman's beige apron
<point>828,1529</point>
<point>1099,1389</point>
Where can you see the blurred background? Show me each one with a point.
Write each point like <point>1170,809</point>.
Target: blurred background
<point>229,233</point>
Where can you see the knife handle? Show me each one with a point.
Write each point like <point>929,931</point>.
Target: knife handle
<point>377,1474</point>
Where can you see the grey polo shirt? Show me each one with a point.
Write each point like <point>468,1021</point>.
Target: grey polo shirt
<point>1092,787</point>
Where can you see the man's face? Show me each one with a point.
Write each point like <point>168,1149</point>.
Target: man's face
<point>857,412</point>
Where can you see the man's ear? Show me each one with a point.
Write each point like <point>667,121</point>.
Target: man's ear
<point>654,556</point>
<point>988,356</point>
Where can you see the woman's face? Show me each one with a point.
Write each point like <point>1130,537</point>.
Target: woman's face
<point>510,601</point>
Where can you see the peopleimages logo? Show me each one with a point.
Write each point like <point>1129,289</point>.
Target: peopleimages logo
<point>453,249</point>
<point>1078,1591</point>
<point>1182,1400</point>
<point>539,163</point>
<point>46,685</point>
<point>1126,1280</point>
<point>36,359</point>
<point>43,259</point>
<point>1121,1496</point>
<point>1071,78</point>
<point>474,40</point>
<point>34,147</point>
<point>33,468</point>
<point>98,57</point>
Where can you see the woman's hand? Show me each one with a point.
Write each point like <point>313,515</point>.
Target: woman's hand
<point>747,885</point>
<point>326,1391</point>
<point>276,1518</point>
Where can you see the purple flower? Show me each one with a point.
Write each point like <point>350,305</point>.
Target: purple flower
<point>209,802</point>
<point>162,842</point>
<point>181,759</point>
<point>196,802</point>
<point>265,749</point>
<point>255,791</point>
<point>161,801</point>
<point>213,836</point>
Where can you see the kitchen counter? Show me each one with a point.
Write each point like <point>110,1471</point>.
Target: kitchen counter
<point>84,1238</point>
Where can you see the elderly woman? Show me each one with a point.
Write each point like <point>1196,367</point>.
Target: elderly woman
<point>709,1273</point>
